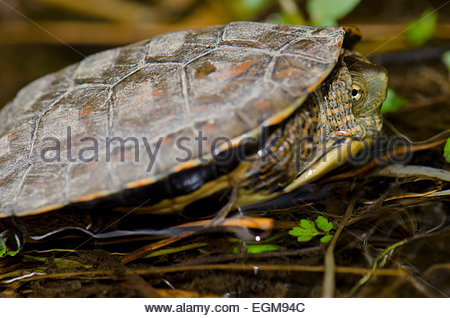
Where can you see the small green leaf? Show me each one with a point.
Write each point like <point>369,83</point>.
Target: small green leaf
<point>327,12</point>
<point>305,232</point>
<point>304,237</point>
<point>296,231</point>
<point>447,150</point>
<point>393,102</point>
<point>421,30</point>
<point>326,238</point>
<point>257,248</point>
<point>261,248</point>
<point>308,227</point>
<point>446,59</point>
<point>323,224</point>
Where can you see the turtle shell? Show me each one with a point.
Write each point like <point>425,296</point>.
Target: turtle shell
<point>156,95</point>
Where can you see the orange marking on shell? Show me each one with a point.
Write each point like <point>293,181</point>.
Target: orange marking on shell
<point>289,72</point>
<point>184,166</point>
<point>234,70</point>
<point>262,105</point>
<point>166,140</point>
<point>157,92</point>
<point>139,183</point>
<point>208,127</point>
<point>91,197</point>
<point>12,137</point>
<point>85,111</point>
<point>47,208</point>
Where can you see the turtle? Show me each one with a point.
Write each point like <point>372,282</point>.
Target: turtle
<point>188,124</point>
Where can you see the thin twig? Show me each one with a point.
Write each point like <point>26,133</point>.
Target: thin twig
<point>227,267</point>
<point>329,279</point>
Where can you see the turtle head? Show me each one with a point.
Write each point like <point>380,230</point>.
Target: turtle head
<point>369,89</point>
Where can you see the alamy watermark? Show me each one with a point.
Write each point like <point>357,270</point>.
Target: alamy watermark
<point>122,149</point>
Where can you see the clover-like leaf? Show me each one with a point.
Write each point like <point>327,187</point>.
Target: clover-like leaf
<point>296,231</point>
<point>305,232</point>
<point>324,224</point>
<point>308,227</point>
<point>305,237</point>
<point>326,238</point>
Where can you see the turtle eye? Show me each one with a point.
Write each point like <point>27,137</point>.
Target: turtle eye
<point>356,93</point>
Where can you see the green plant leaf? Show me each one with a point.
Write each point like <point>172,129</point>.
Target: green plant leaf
<point>393,102</point>
<point>296,231</point>
<point>13,253</point>
<point>304,237</point>
<point>2,247</point>
<point>305,232</point>
<point>257,248</point>
<point>308,227</point>
<point>327,12</point>
<point>421,30</point>
<point>326,238</point>
<point>324,224</point>
<point>446,59</point>
<point>447,150</point>
<point>261,248</point>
